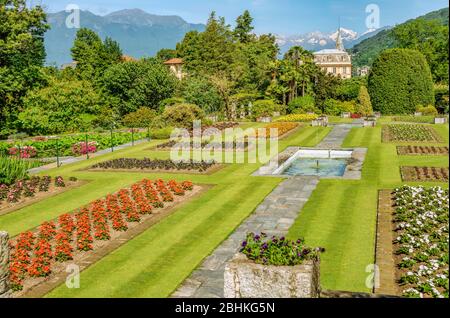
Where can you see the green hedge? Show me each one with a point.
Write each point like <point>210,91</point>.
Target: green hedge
<point>399,81</point>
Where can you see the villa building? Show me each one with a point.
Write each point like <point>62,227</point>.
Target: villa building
<point>176,66</point>
<point>335,61</point>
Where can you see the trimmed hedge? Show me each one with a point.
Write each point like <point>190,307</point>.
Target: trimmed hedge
<point>399,81</point>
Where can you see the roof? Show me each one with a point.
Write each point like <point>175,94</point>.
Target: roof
<point>174,61</point>
<point>127,58</point>
<point>330,51</point>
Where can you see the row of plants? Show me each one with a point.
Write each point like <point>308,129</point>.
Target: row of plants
<point>410,132</point>
<point>427,174</point>
<point>34,253</point>
<point>421,245</point>
<point>204,145</point>
<point>68,145</point>
<point>23,189</point>
<point>415,119</point>
<point>297,118</point>
<point>282,128</point>
<point>154,164</point>
<point>422,150</point>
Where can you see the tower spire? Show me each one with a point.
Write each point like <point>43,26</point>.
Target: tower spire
<point>339,43</point>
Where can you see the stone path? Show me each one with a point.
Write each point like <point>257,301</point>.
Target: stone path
<point>274,216</point>
<point>69,160</point>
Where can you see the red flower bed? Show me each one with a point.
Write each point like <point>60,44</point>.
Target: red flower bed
<point>33,254</point>
<point>82,148</point>
<point>355,116</point>
<point>23,152</point>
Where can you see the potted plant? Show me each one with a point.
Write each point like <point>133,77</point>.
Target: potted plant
<point>273,268</point>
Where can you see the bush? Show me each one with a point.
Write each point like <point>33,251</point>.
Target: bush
<point>161,133</point>
<point>12,169</point>
<point>429,110</point>
<point>297,118</point>
<point>442,97</point>
<point>141,118</point>
<point>400,80</point>
<point>202,93</point>
<point>348,89</point>
<point>302,105</point>
<point>364,106</point>
<point>335,107</point>
<point>182,115</point>
<point>264,108</point>
<point>170,102</point>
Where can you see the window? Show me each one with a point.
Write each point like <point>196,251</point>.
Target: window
<point>334,70</point>
<point>345,70</point>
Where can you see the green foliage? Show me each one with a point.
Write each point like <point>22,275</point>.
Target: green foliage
<point>400,80</point>
<point>166,54</point>
<point>429,110</point>
<point>144,83</point>
<point>161,133</point>
<point>364,106</point>
<point>264,108</point>
<point>22,55</point>
<point>302,105</point>
<point>442,98</point>
<point>182,115</point>
<point>335,107</point>
<point>141,118</point>
<point>92,55</point>
<point>202,93</point>
<point>348,89</point>
<point>325,87</point>
<point>62,106</point>
<point>244,27</point>
<point>12,169</point>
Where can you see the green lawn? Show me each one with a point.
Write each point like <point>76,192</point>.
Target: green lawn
<point>157,261</point>
<point>341,215</point>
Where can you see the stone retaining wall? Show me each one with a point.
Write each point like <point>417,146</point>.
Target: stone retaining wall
<point>4,265</point>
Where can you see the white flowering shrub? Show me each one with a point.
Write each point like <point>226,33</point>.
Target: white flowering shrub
<point>422,243</point>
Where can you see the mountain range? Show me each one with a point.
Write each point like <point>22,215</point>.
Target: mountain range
<point>315,41</point>
<point>139,33</point>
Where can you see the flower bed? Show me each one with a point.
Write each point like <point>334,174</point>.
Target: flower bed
<point>421,246</point>
<point>36,254</point>
<point>414,119</point>
<point>81,148</point>
<point>303,118</point>
<point>23,191</point>
<point>422,150</point>
<point>283,129</point>
<point>153,164</point>
<point>47,147</point>
<point>410,133</point>
<point>23,152</point>
<point>205,145</point>
<point>276,251</point>
<point>426,174</point>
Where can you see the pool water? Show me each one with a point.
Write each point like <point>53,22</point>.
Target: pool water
<point>316,167</point>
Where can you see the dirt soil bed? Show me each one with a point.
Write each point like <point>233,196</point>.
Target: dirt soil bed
<point>209,171</point>
<point>422,150</point>
<point>38,287</point>
<point>6,207</point>
<point>426,174</point>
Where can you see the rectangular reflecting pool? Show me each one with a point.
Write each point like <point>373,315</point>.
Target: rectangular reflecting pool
<point>316,167</point>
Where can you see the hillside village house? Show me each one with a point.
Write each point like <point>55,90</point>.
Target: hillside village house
<point>335,61</point>
<point>176,66</point>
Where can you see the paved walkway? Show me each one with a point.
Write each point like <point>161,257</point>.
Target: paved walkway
<point>69,160</point>
<point>274,216</point>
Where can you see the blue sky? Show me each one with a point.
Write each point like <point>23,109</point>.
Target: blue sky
<point>275,16</point>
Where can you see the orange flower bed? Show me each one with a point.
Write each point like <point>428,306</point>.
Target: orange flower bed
<point>34,253</point>
<point>283,128</point>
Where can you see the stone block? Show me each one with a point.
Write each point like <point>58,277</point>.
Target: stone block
<point>4,265</point>
<point>246,279</point>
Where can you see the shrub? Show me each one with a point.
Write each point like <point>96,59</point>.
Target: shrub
<point>364,106</point>
<point>400,80</point>
<point>23,152</point>
<point>348,89</point>
<point>302,105</point>
<point>201,92</point>
<point>161,133</point>
<point>81,148</point>
<point>264,108</point>
<point>442,97</point>
<point>12,169</point>
<point>297,118</point>
<point>429,110</point>
<point>141,118</point>
<point>182,115</point>
<point>335,107</point>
